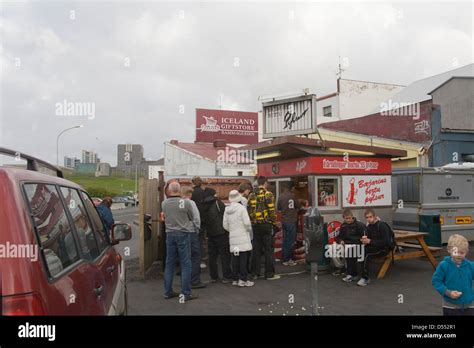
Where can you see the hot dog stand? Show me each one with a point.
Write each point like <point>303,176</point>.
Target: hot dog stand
<point>330,175</point>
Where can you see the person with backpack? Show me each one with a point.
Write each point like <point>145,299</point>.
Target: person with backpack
<point>217,236</point>
<point>378,241</point>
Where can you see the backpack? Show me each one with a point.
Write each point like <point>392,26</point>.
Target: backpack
<point>393,247</point>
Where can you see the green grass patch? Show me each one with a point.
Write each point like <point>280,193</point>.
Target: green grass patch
<point>103,186</point>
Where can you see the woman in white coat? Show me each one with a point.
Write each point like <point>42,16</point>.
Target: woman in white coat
<point>237,222</point>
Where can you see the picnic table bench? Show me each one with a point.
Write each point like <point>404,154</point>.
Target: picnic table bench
<point>405,239</point>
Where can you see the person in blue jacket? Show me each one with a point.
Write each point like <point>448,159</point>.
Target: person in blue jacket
<point>106,214</point>
<point>453,278</point>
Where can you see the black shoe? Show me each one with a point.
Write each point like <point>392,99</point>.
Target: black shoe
<point>198,285</point>
<point>173,294</point>
<point>190,297</point>
<point>339,272</point>
<point>214,280</point>
<point>226,281</point>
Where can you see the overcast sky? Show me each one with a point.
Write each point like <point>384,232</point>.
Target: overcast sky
<point>142,64</point>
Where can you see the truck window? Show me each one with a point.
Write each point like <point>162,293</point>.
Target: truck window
<point>99,230</point>
<point>52,225</point>
<point>84,230</point>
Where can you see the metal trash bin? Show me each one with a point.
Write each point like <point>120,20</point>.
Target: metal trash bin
<point>431,224</point>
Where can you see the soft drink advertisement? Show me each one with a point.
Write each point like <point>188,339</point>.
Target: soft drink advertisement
<point>366,191</point>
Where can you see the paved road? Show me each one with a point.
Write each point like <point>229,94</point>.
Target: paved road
<point>128,215</point>
<point>406,290</point>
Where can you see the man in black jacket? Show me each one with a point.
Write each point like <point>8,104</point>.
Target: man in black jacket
<point>198,197</point>
<point>350,233</point>
<point>217,236</point>
<point>377,242</point>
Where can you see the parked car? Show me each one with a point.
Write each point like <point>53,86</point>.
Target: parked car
<point>124,200</point>
<point>68,265</point>
<point>96,201</point>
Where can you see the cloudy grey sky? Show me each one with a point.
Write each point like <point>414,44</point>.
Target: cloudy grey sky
<point>147,65</point>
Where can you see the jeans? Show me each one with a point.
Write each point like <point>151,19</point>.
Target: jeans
<point>263,241</point>
<point>195,258</point>
<point>178,244</point>
<point>239,266</point>
<point>219,245</point>
<point>289,238</point>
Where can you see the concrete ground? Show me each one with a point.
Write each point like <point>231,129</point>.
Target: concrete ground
<point>405,290</point>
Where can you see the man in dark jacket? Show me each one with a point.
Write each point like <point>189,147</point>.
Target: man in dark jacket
<point>289,206</point>
<point>217,236</point>
<point>350,233</point>
<point>198,197</point>
<point>377,242</point>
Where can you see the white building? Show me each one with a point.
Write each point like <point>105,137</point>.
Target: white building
<point>207,159</point>
<point>353,99</point>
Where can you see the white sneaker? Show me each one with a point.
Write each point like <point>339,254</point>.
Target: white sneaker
<point>203,265</point>
<point>235,283</point>
<point>348,278</point>
<point>363,282</point>
<point>247,283</point>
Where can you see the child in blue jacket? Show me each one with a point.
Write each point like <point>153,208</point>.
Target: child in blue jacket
<point>453,278</point>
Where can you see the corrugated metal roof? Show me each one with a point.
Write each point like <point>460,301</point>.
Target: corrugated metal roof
<point>417,91</point>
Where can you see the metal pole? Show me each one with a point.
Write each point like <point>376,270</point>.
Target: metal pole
<point>136,177</point>
<point>57,141</point>
<point>314,288</point>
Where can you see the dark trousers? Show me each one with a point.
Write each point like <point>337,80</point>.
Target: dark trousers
<point>195,259</point>
<point>219,245</point>
<point>263,241</point>
<point>458,311</point>
<point>370,252</point>
<point>239,266</point>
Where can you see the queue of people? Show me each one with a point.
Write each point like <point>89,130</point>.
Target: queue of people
<point>241,233</point>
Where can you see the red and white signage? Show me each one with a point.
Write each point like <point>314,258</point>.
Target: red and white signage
<point>366,191</point>
<point>326,165</point>
<point>235,127</point>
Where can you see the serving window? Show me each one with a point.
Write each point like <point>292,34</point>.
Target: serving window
<point>328,192</point>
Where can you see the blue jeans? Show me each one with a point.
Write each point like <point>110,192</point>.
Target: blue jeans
<point>178,244</point>
<point>195,258</point>
<point>289,238</point>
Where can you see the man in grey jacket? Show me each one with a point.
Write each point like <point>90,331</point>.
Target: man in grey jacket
<point>180,222</point>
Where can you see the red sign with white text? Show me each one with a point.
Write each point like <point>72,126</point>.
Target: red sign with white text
<point>326,165</point>
<point>235,127</point>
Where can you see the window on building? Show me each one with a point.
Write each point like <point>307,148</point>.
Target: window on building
<point>327,111</point>
<point>328,192</point>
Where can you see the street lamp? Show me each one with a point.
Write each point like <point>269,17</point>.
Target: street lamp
<point>57,141</point>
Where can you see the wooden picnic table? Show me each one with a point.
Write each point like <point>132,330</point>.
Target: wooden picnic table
<point>402,237</point>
